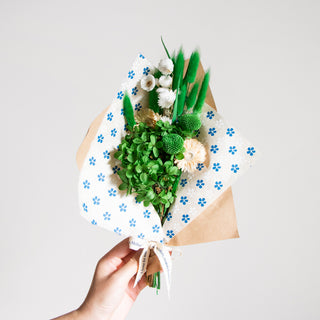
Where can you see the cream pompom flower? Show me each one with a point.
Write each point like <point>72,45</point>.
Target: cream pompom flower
<point>194,153</point>
<point>165,81</point>
<point>148,82</point>
<point>166,66</point>
<point>166,97</point>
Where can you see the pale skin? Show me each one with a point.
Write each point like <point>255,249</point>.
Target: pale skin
<point>111,294</point>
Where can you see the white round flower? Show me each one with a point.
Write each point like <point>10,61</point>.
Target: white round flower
<point>166,97</point>
<point>148,82</point>
<point>166,66</point>
<point>165,81</point>
<point>164,119</point>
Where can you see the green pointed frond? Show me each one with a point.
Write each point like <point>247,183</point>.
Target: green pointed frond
<point>202,93</point>
<point>192,97</point>
<point>192,69</point>
<point>128,110</point>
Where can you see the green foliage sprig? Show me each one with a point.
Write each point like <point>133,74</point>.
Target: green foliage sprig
<point>146,168</point>
<point>128,110</point>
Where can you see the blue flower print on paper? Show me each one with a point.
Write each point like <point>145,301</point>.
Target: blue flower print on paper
<point>137,106</point>
<point>197,133</point>
<point>230,132</point>
<point>86,184</point>
<point>183,182</point>
<point>120,95</point>
<point>202,202</point>
<point>156,228</point>
<point>135,198</point>
<point>96,200</point>
<point>216,166</point>
<point>131,74</point>
<point>121,112</point>
<point>94,222</point>
<point>101,177</point>
<point>125,128</point>
<point>141,56</point>
<point>132,223</point>
<point>214,148</point>
<point>107,216</point>
<point>184,200</point>
<point>109,116</point>
<point>232,149</point>
<point>170,233</point>
<point>141,236</point>
<point>200,184</point>
<point>113,132</point>
<point>115,169</point>
<point>92,161</point>
<point>85,207</point>
<point>210,115</point>
<point>212,131</point>
<point>123,207</point>
<point>134,91</point>
<point>235,168</point>
<point>146,71</point>
<point>218,185</point>
<point>146,214</point>
<point>251,151</point>
<point>117,230</point>
<point>200,166</point>
<point>169,216</point>
<point>112,192</point>
<point>106,154</point>
<point>100,138</point>
<point>185,218</point>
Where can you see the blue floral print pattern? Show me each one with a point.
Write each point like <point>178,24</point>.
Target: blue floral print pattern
<point>212,131</point>
<point>216,166</point>
<point>251,151</point>
<point>170,233</point>
<point>169,216</point>
<point>230,132</point>
<point>218,185</point>
<point>131,74</point>
<point>96,200</point>
<point>118,231</point>
<point>185,218</point>
<point>85,207</point>
<point>132,222</point>
<point>92,161</point>
<point>184,200</point>
<point>115,169</point>
<point>141,236</point>
<point>214,148</point>
<point>107,216</point>
<point>146,71</point>
<point>86,184</point>
<point>134,91</point>
<point>200,166</point>
<point>101,177</point>
<point>210,115</point>
<point>123,207</point>
<point>120,95</point>
<point>94,222</point>
<point>113,132</point>
<point>112,192</point>
<point>232,149</point>
<point>156,228</point>
<point>200,184</point>
<point>146,214</point>
<point>183,182</point>
<point>202,201</point>
<point>235,168</point>
<point>106,154</point>
<point>109,116</point>
<point>100,138</point>
<point>137,106</point>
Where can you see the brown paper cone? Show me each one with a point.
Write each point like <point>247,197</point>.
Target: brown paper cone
<point>216,222</point>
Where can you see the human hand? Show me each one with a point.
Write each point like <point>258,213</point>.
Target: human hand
<point>111,294</point>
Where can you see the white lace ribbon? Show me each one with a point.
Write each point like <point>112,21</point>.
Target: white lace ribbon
<point>162,252</point>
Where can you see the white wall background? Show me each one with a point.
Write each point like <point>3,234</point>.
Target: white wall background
<point>62,61</point>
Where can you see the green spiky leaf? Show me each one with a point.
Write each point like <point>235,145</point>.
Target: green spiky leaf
<point>165,48</point>
<point>202,93</point>
<point>178,70</point>
<point>182,99</point>
<point>128,110</point>
<point>192,69</point>
<point>153,100</point>
<point>192,97</point>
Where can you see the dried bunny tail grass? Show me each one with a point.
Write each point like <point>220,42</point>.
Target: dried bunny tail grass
<point>194,153</point>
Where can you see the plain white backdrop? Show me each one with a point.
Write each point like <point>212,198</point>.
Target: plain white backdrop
<point>61,63</point>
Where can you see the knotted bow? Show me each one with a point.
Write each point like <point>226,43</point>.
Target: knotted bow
<point>162,252</point>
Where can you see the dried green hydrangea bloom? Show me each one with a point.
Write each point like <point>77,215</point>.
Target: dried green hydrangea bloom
<point>172,143</point>
<point>189,122</point>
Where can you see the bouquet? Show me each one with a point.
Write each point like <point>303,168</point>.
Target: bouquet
<point>160,157</point>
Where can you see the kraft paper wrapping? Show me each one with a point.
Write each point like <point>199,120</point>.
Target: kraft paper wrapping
<point>216,222</point>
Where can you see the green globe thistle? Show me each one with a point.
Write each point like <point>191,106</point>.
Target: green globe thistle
<point>189,122</point>
<point>172,143</point>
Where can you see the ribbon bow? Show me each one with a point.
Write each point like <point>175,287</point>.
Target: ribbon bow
<point>162,252</point>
